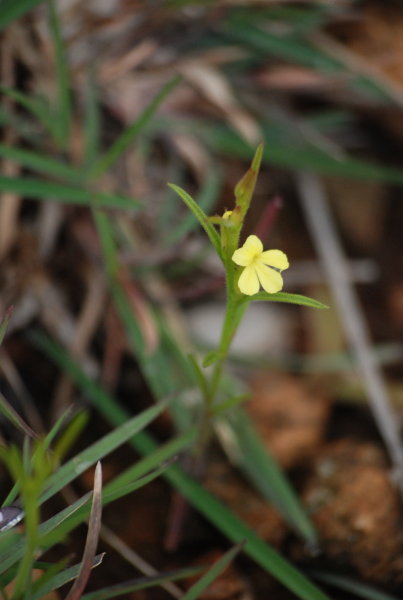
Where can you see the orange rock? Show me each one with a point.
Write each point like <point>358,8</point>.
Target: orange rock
<point>289,415</point>
<point>356,510</point>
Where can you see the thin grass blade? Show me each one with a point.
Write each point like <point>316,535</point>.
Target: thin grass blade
<point>4,323</point>
<point>12,547</point>
<point>62,76</point>
<point>262,470</point>
<point>92,124</point>
<point>88,457</point>
<point>46,190</point>
<point>142,583</point>
<point>205,580</point>
<point>200,216</point>
<point>11,496</point>
<point>62,578</point>
<point>40,163</point>
<point>11,415</point>
<point>361,590</point>
<point>127,137</point>
<point>13,9</point>
<point>205,200</point>
<point>38,107</point>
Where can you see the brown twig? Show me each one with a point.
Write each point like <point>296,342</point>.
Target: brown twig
<point>325,237</point>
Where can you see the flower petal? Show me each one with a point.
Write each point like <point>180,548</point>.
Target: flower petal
<point>248,281</point>
<point>253,245</point>
<point>275,258</point>
<point>270,280</point>
<point>241,257</point>
<point>251,248</point>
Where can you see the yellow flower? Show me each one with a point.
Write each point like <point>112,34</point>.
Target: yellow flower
<point>261,268</point>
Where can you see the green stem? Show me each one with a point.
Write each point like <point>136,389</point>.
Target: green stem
<point>233,315</point>
<point>23,577</point>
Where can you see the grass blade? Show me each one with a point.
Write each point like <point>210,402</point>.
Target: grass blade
<point>200,216</point>
<point>11,415</point>
<point>4,323</point>
<point>127,137</point>
<point>13,9</point>
<point>62,578</point>
<point>41,190</point>
<point>92,125</point>
<point>220,565</point>
<point>288,298</point>
<point>205,200</point>
<point>88,457</point>
<point>283,148</point>
<point>142,583</point>
<point>12,552</point>
<point>361,590</point>
<point>40,163</point>
<point>11,496</point>
<point>260,468</point>
<point>295,48</point>
<point>37,106</point>
<point>55,529</point>
<point>63,82</point>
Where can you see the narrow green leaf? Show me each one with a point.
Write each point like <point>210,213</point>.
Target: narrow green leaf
<point>229,524</point>
<point>361,590</point>
<point>284,148</point>
<point>231,402</point>
<point>165,376</point>
<point>13,551</point>
<point>259,467</point>
<point>160,457</point>
<point>286,297</point>
<point>71,434</point>
<point>49,571</point>
<point>62,76</point>
<point>37,106</point>
<point>142,583</point>
<point>40,163</point>
<point>127,137</point>
<point>59,531</point>
<point>81,462</point>
<point>200,216</point>
<point>61,578</point>
<point>106,236</point>
<point>299,50</point>
<point>13,9</point>
<point>211,357</point>
<point>4,323</point>
<point>11,415</point>
<point>55,529</point>
<point>46,190</point>
<point>92,124</point>
<point>205,580</point>
<point>12,495</point>
<point>206,199</point>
